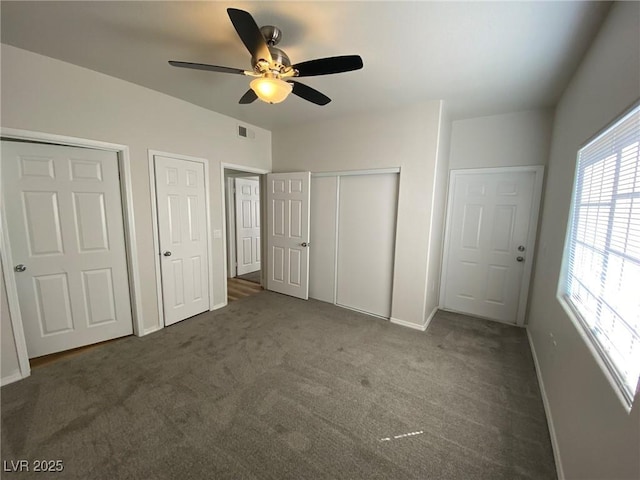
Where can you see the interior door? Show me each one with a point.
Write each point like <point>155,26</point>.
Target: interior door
<point>247,225</point>
<point>184,260</point>
<point>65,225</point>
<point>288,196</point>
<point>489,221</point>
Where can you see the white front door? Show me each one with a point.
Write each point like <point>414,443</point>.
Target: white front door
<point>247,225</point>
<point>288,196</point>
<point>65,225</point>
<point>182,232</point>
<point>489,226</point>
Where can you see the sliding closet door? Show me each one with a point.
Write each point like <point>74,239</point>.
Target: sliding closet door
<point>322,253</point>
<point>367,209</point>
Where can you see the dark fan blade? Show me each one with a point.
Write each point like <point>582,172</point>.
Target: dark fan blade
<point>249,33</point>
<point>248,97</point>
<point>310,94</point>
<point>327,66</point>
<point>204,66</point>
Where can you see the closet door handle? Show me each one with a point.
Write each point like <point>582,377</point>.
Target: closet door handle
<point>305,244</point>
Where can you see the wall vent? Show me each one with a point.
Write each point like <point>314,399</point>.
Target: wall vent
<point>245,132</point>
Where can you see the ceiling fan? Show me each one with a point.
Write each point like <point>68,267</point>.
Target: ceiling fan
<point>272,68</point>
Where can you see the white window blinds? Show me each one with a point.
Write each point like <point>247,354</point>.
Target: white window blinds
<point>602,284</point>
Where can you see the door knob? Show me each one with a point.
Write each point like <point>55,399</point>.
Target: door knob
<point>520,259</point>
<point>20,268</point>
<point>521,248</point>
<point>167,253</point>
<point>305,244</point>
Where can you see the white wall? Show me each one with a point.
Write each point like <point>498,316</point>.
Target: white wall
<point>513,139</point>
<point>405,138</point>
<point>595,437</point>
<point>46,95</point>
<point>436,239</point>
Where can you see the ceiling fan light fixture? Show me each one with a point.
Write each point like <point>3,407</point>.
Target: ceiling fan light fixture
<point>271,65</point>
<point>271,90</point>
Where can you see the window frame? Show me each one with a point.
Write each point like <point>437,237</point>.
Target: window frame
<point>584,329</point>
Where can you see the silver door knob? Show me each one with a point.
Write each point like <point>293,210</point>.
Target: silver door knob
<point>520,259</point>
<point>20,268</point>
<point>167,253</point>
<point>305,244</point>
<point>521,248</point>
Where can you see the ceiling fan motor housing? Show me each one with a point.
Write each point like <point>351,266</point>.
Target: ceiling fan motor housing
<point>280,61</point>
<point>272,35</point>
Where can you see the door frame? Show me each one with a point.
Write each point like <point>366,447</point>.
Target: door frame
<point>233,236</point>
<point>259,172</point>
<point>126,195</point>
<point>538,170</point>
<point>230,219</point>
<point>155,226</point>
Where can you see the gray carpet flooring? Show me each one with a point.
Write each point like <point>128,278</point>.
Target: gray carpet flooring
<point>273,387</point>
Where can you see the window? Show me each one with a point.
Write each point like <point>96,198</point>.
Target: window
<point>602,253</point>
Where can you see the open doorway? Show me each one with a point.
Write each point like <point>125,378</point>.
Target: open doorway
<point>243,214</point>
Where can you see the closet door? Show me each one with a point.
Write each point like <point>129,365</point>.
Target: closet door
<point>322,254</point>
<point>367,209</point>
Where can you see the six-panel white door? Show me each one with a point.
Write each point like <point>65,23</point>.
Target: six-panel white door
<point>65,225</point>
<point>489,219</point>
<point>288,196</point>
<point>182,232</point>
<point>247,225</point>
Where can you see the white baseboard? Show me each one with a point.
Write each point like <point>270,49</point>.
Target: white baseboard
<point>547,411</point>
<point>404,323</point>
<point>218,306</point>
<point>415,326</point>
<point>14,377</point>
<point>155,328</point>
<point>430,317</point>
<point>149,330</point>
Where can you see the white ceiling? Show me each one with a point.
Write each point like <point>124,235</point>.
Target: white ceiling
<point>483,58</point>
